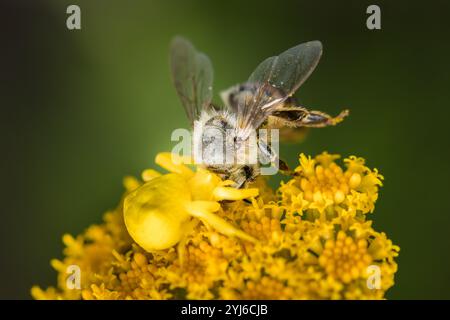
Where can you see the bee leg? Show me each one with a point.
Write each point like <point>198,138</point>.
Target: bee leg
<point>285,170</point>
<point>318,119</point>
<point>204,210</point>
<point>268,155</point>
<point>295,116</point>
<point>174,163</point>
<point>239,178</point>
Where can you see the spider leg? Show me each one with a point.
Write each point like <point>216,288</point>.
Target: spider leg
<point>181,247</point>
<point>174,163</point>
<point>230,193</point>
<point>149,174</point>
<point>204,210</point>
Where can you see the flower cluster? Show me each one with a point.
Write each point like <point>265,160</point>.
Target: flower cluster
<point>314,241</point>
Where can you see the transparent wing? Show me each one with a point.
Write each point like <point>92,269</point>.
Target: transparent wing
<point>274,81</point>
<point>192,76</point>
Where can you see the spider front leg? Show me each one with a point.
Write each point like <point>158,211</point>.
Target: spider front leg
<point>187,230</point>
<point>174,163</point>
<point>204,210</point>
<point>230,193</point>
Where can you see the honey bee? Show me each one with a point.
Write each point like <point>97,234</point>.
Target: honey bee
<point>265,100</point>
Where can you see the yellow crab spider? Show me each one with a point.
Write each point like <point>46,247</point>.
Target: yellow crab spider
<point>165,209</point>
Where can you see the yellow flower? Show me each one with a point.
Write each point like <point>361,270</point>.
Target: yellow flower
<point>320,183</point>
<point>345,258</point>
<point>310,239</point>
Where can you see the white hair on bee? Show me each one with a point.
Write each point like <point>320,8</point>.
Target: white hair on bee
<point>216,140</point>
<point>211,139</point>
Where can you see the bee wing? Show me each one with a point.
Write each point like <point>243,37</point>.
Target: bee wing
<point>229,95</point>
<point>192,76</point>
<point>275,80</point>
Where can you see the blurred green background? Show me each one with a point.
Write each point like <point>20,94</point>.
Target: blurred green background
<point>81,109</point>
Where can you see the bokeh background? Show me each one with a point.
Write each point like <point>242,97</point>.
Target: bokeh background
<point>81,109</point>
